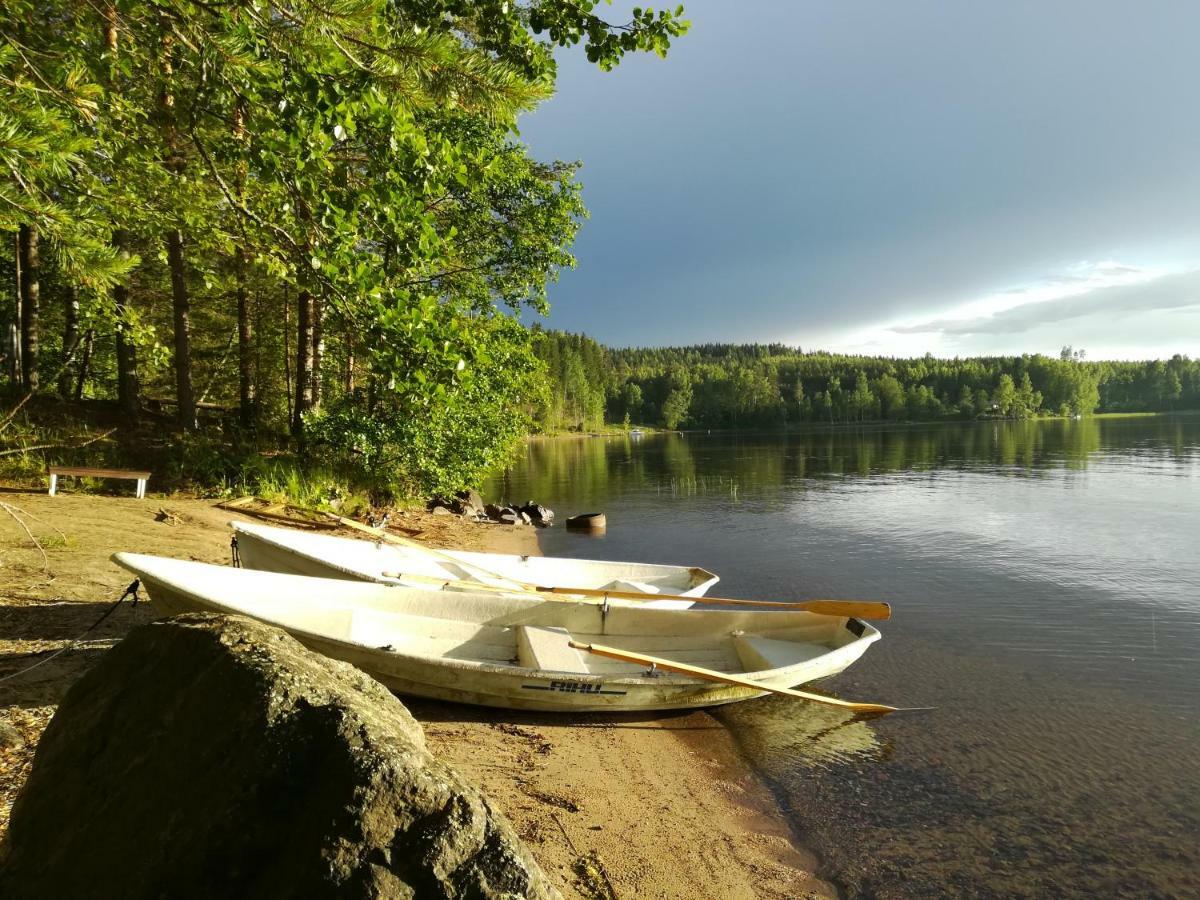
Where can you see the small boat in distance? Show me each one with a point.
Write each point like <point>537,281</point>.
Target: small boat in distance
<point>294,552</point>
<point>520,652</point>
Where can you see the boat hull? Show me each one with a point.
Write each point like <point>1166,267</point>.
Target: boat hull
<point>510,686</point>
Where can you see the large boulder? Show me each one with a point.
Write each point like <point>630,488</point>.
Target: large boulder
<point>214,756</point>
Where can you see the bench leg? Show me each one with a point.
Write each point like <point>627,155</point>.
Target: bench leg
<point>141,489</point>
<point>53,484</point>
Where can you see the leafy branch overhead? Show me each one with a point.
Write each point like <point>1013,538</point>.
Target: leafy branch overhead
<point>343,178</point>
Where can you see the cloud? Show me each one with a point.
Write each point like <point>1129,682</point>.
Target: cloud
<point>1170,292</point>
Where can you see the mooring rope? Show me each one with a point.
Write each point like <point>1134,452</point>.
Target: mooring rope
<point>131,591</point>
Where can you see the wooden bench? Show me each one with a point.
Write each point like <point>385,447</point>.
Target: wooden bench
<point>84,472</point>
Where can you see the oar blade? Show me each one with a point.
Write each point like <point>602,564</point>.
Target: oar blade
<point>857,609</point>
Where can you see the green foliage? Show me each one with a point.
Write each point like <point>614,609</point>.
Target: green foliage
<point>400,446</point>
<point>765,386</point>
<point>363,154</point>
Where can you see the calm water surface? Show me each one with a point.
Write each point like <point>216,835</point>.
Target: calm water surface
<point>1045,579</point>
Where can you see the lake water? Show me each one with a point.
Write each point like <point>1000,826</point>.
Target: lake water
<point>1045,583</point>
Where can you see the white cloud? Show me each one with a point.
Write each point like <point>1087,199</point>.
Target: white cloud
<point>1003,311</point>
<point>1118,310</point>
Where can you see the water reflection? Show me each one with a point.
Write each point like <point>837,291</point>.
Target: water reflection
<point>592,468</point>
<point>809,736</point>
<point>1046,584</point>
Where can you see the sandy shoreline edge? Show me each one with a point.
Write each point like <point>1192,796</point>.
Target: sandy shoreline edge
<point>643,806</point>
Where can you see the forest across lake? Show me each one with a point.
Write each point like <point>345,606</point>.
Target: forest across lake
<point>772,385</point>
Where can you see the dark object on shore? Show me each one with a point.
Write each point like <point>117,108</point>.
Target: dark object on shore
<point>593,522</point>
<point>538,514</point>
<point>470,505</point>
<point>213,756</point>
<point>470,500</point>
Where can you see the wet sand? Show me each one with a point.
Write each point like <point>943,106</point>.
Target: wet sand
<point>611,806</point>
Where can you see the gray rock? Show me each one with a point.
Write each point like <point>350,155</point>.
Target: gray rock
<point>214,756</point>
<point>442,511</point>
<point>538,513</point>
<point>508,517</point>
<point>471,498</point>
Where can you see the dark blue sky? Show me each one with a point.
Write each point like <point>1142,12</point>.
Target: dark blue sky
<point>891,176</point>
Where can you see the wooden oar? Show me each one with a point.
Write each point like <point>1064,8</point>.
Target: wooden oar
<point>479,586</point>
<point>861,609</point>
<point>432,551</point>
<point>711,675</point>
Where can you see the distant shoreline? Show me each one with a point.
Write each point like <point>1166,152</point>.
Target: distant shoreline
<point>801,427</point>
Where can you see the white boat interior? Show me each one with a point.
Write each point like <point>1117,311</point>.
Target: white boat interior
<point>308,553</point>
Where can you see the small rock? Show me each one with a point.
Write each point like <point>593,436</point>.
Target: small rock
<point>442,511</point>
<point>471,498</point>
<point>537,512</point>
<point>508,518</point>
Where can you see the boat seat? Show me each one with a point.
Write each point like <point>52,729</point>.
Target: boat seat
<point>758,653</point>
<point>548,649</point>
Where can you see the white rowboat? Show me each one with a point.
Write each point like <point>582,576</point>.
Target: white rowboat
<point>293,552</point>
<point>515,651</point>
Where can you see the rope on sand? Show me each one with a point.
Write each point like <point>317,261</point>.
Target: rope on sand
<point>131,591</point>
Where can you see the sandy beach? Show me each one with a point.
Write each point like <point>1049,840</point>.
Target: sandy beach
<point>611,806</point>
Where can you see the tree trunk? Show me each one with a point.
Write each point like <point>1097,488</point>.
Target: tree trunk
<point>287,357</point>
<point>85,362</point>
<point>245,343</point>
<point>128,390</point>
<point>30,296</point>
<point>245,329</point>
<point>14,328</point>
<point>349,377</point>
<point>69,342</point>
<point>181,305</point>
<point>318,324</point>
<point>185,395</point>
<point>304,361</point>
